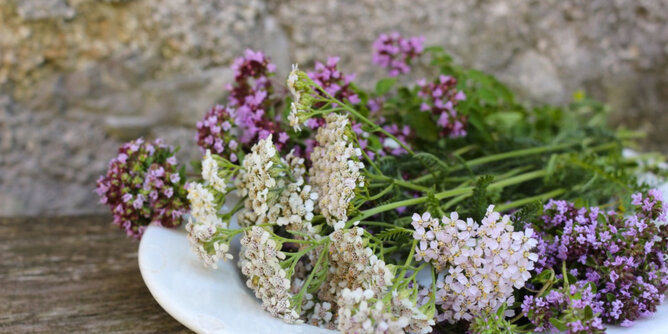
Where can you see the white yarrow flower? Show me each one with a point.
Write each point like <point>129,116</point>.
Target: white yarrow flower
<point>336,169</point>
<point>260,262</point>
<point>210,173</point>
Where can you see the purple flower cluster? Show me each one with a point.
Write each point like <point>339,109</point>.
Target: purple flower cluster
<point>566,303</point>
<point>622,254</point>
<point>214,133</point>
<point>441,98</point>
<point>333,81</point>
<point>249,101</point>
<point>143,185</point>
<point>389,145</point>
<point>250,95</point>
<point>396,53</point>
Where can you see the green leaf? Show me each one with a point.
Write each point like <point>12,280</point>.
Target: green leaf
<point>589,313</point>
<point>504,120</point>
<point>393,233</point>
<point>544,276</point>
<point>560,325</point>
<point>477,205</point>
<point>432,204</point>
<point>424,125</point>
<point>592,287</point>
<point>384,85</point>
<point>431,162</point>
<point>488,96</point>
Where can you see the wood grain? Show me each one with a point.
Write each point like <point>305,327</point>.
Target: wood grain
<point>74,275</point>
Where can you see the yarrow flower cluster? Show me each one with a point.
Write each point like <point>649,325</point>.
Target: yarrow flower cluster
<point>335,173</point>
<point>353,265</point>
<point>271,196</point>
<point>205,225</point>
<point>257,181</point>
<point>483,263</point>
<point>303,94</point>
<point>144,185</point>
<point>622,255</point>
<point>441,98</point>
<point>361,311</point>
<point>260,262</point>
<point>396,53</point>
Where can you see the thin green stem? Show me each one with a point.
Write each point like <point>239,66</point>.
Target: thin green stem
<point>362,118</point>
<point>400,182</point>
<point>304,288</point>
<point>446,194</point>
<point>502,156</point>
<point>382,193</point>
<point>527,200</point>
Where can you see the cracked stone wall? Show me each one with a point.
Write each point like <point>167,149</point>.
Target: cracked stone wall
<point>78,77</point>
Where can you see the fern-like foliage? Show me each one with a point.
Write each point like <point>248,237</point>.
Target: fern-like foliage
<point>393,233</point>
<point>477,205</point>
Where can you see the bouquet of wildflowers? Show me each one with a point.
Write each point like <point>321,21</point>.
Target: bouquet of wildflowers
<point>415,206</point>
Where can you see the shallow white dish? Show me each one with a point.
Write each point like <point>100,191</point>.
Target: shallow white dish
<point>204,300</point>
<point>218,301</point>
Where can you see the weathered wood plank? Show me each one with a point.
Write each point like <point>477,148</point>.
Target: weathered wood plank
<point>74,274</point>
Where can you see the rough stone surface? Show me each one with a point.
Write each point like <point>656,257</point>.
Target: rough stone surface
<point>77,77</point>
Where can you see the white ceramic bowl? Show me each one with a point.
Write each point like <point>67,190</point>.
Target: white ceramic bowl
<point>218,301</point>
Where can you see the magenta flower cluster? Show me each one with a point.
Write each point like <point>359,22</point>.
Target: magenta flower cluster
<point>396,53</point>
<point>623,255</point>
<point>387,144</point>
<point>441,98</point>
<point>246,116</point>
<point>215,133</point>
<point>144,185</point>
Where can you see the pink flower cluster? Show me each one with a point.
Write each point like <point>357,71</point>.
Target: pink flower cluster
<point>441,98</point>
<point>249,101</point>
<point>483,262</point>
<point>142,186</point>
<point>214,133</point>
<point>388,145</point>
<point>396,53</point>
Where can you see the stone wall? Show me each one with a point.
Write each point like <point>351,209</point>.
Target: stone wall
<point>77,77</point>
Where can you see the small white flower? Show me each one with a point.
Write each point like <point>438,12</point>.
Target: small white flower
<point>484,263</point>
<point>210,173</point>
<point>260,262</point>
<point>335,172</point>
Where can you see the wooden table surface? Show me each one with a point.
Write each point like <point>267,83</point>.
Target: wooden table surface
<point>74,275</point>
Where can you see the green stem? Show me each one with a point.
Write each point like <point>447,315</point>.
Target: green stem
<point>382,224</point>
<point>381,194</point>
<point>514,204</point>
<point>446,194</point>
<point>235,209</point>
<point>409,259</point>
<point>565,273</point>
<point>362,118</point>
<point>304,288</point>
<point>502,156</point>
<point>400,182</point>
